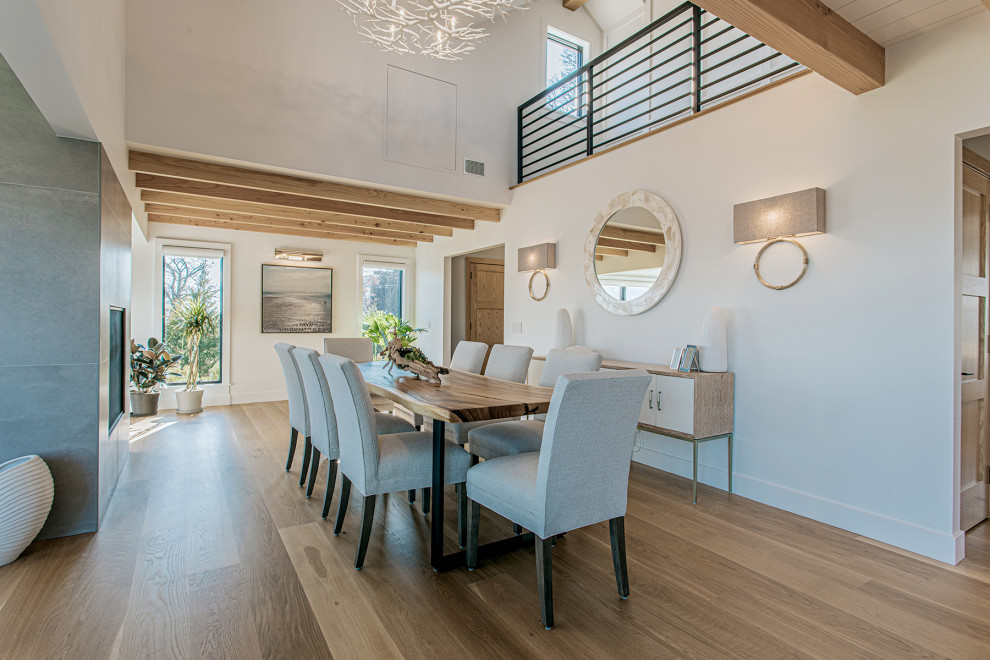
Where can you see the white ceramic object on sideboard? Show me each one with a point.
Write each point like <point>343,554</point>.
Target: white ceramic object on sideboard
<point>26,494</point>
<point>713,342</point>
<point>563,333</point>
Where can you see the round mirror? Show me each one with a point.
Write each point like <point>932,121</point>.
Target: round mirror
<point>633,252</point>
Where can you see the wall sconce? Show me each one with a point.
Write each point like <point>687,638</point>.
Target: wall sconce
<point>538,258</point>
<point>778,220</point>
<point>298,255</point>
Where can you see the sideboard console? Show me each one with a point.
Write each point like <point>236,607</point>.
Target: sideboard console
<point>692,406</point>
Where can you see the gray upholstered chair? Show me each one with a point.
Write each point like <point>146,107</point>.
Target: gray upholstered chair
<point>378,464</point>
<point>519,437</point>
<point>358,349</point>
<point>323,421</point>
<point>592,420</point>
<point>298,412</point>
<point>469,356</point>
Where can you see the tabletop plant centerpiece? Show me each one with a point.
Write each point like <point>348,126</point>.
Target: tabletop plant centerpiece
<point>394,339</point>
<point>149,368</point>
<point>196,317</point>
<point>410,358</point>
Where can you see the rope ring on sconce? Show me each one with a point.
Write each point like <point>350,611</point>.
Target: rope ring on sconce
<point>778,287</point>
<point>545,291</point>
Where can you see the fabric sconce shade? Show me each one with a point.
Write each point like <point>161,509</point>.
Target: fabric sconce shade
<point>794,214</point>
<point>538,257</point>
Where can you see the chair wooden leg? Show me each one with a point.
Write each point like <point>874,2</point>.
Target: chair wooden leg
<point>345,495</point>
<point>474,518</point>
<point>426,500</point>
<point>544,581</point>
<point>617,532</point>
<point>475,460</point>
<point>331,482</point>
<point>462,516</point>
<point>367,517</point>
<point>412,495</point>
<point>314,469</point>
<point>293,437</point>
<point>516,529</point>
<point>305,466</point>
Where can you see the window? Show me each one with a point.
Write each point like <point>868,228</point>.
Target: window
<point>192,278</point>
<point>565,55</point>
<point>383,287</point>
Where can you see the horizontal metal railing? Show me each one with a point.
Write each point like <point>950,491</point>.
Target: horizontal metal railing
<point>686,61</point>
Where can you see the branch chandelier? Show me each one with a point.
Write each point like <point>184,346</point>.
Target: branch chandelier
<point>443,29</point>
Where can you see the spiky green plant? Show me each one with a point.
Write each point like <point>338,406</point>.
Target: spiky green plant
<point>150,365</point>
<point>378,326</point>
<point>196,317</point>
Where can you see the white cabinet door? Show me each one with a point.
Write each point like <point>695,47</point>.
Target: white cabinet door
<point>648,412</point>
<point>673,399</point>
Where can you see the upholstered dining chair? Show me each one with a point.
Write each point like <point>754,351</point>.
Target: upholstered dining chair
<point>519,437</point>
<point>358,349</point>
<point>378,464</point>
<point>592,420</point>
<point>323,421</point>
<point>469,356</point>
<point>298,412</point>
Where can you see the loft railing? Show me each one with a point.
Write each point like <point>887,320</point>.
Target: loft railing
<point>684,62</point>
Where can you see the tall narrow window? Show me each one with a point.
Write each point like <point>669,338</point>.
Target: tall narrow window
<point>193,277</point>
<point>383,287</point>
<point>565,55</point>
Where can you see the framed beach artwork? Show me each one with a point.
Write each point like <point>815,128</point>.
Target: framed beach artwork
<point>296,299</point>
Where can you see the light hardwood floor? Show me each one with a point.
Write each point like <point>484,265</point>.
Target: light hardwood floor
<point>210,550</point>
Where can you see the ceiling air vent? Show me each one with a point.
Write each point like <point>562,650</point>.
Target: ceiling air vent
<point>474,167</point>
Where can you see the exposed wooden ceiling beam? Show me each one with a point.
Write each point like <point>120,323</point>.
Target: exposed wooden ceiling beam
<point>812,34</point>
<point>636,235</point>
<point>199,207</point>
<point>611,252</point>
<point>247,218</point>
<point>627,245</point>
<point>574,5</point>
<point>217,191</point>
<point>183,168</point>
<point>599,257</point>
<point>223,224</point>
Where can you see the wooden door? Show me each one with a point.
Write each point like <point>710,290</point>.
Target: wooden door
<point>973,457</point>
<point>485,300</point>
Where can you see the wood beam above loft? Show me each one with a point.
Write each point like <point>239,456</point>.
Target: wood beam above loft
<point>193,170</point>
<point>811,33</point>
<point>610,252</point>
<point>626,245</point>
<point>574,5</point>
<point>187,192</point>
<point>635,235</point>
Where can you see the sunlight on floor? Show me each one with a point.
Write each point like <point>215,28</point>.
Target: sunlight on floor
<point>146,426</point>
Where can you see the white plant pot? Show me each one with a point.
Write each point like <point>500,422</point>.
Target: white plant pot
<point>188,401</point>
<point>26,494</point>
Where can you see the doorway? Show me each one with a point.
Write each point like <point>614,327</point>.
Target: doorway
<point>974,267</point>
<point>477,297</point>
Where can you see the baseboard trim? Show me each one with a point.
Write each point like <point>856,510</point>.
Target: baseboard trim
<point>948,548</point>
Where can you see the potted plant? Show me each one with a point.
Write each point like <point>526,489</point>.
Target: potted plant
<point>196,316</point>
<point>149,369</point>
<point>379,327</point>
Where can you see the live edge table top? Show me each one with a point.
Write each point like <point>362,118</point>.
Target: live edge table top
<point>462,397</point>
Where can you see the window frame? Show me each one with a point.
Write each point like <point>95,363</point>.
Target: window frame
<point>225,303</point>
<point>583,48</point>
<point>398,263</point>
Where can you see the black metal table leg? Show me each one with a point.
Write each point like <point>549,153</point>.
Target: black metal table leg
<point>436,523</point>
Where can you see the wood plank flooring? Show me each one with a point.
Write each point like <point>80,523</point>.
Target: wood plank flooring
<point>210,550</point>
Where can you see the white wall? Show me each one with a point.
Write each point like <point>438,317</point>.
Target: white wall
<point>255,372</point>
<point>846,384</point>
<point>289,84</point>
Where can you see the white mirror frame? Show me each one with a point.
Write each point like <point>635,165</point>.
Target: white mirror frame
<point>665,215</point>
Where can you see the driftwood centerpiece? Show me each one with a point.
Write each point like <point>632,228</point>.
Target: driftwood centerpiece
<point>410,358</point>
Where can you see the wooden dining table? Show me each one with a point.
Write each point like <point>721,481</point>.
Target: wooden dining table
<point>459,397</point>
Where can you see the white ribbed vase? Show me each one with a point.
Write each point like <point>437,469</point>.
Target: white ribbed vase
<point>26,493</point>
<point>713,342</point>
<point>563,332</point>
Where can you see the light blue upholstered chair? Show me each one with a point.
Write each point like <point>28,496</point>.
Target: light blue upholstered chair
<point>519,437</point>
<point>298,412</point>
<point>505,363</point>
<point>592,421</point>
<point>323,421</point>
<point>469,356</point>
<point>378,464</point>
<point>358,349</point>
